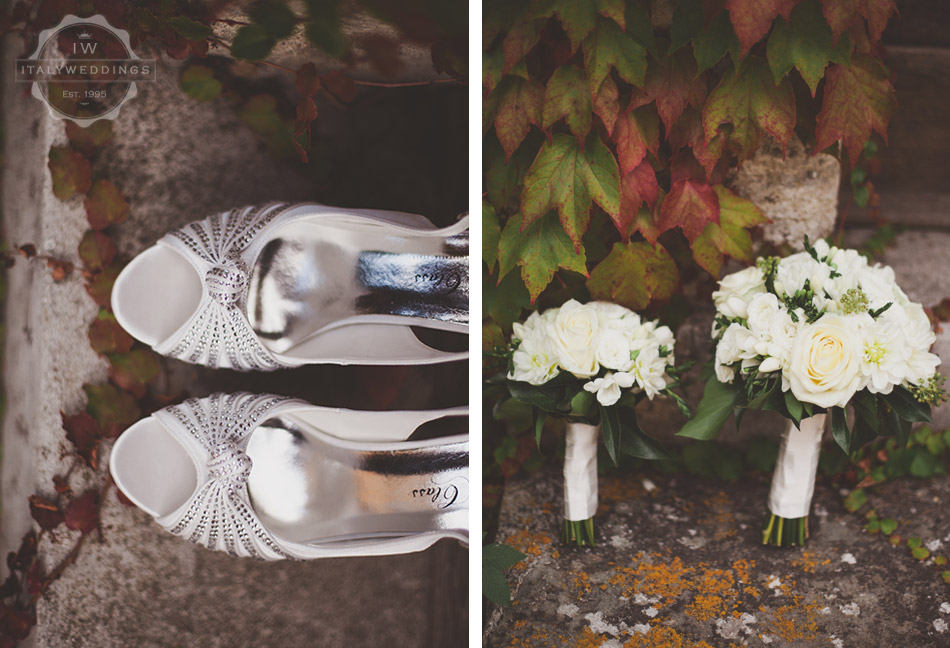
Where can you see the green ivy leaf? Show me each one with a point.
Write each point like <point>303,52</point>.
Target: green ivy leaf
<point>519,41</point>
<point>751,103</point>
<point>714,408</point>
<point>198,82</point>
<point>491,233</point>
<point>96,250</point>
<point>577,19</point>
<point>805,43</point>
<point>639,26</point>
<point>252,43</point>
<point>688,19</point>
<point>730,236</point>
<point>752,19</point>
<point>70,172</point>
<point>275,18</point>
<point>190,29</point>
<point>100,288</point>
<point>105,205</point>
<point>565,178</point>
<point>324,26</point>
<point>712,43</point>
<point>504,179</point>
<point>855,500</point>
<point>517,105</point>
<point>609,47</point>
<point>496,558</point>
<point>633,274</point>
<point>567,97</point>
<point>134,370</point>
<point>540,250</point>
<point>115,409</point>
<point>107,336</point>
<point>505,301</point>
<point>857,99</point>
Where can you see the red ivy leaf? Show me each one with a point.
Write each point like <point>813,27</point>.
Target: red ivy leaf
<point>673,83</point>
<point>751,103</point>
<point>100,288</point>
<point>637,187</point>
<point>634,134</point>
<point>633,275</point>
<point>690,206</point>
<point>84,433</point>
<point>730,236</point>
<point>306,113</point>
<point>688,131</point>
<point>338,84</point>
<point>62,486</point>
<point>878,13</point>
<point>133,371</point>
<point>16,623</point>
<point>45,512</point>
<point>307,82</point>
<point>383,53</point>
<point>82,514</point>
<point>115,409</point>
<point>36,582</point>
<point>520,40</point>
<point>70,172</point>
<point>96,250</point>
<point>607,105</point>
<point>87,140</point>
<point>107,336</point>
<point>857,99</point>
<point>751,19</point>
<point>26,553</point>
<point>567,96</point>
<point>105,205</point>
<point>518,106</point>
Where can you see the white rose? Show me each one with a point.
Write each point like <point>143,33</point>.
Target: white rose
<point>534,360</point>
<point>613,350</point>
<point>608,388</point>
<point>762,311</point>
<point>573,335</point>
<point>736,290</point>
<point>825,362</point>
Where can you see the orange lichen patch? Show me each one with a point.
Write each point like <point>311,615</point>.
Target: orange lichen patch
<point>617,489</point>
<point>527,543</point>
<point>716,515</point>
<point>742,569</point>
<point>666,580</point>
<point>795,623</point>
<point>542,638</point>
<point>663,637</point>
<point>580,583</point>
<point>589,640</point>
<point>808,562</point>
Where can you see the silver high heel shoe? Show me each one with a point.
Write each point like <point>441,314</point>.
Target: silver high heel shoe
<point>273,477</point>
<point>283,285</point>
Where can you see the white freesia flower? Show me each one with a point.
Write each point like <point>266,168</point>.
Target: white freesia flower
<point>737,290</point>
<point>573,334</point>
<point>763,309</point>
<point>825,362</point>
<point>649,371</point>
<point>794,271</point>
<point>879,285</point>
<point>534,360</point>
<point>885,354</point>
<point>613,350</point>
<point>608,388</point>
<point>919,336</point>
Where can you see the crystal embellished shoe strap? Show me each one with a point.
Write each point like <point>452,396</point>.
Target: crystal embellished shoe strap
<point>219,334</point>
<point>215,432</point>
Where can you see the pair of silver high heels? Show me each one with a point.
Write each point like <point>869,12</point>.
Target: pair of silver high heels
<point>281,286</point>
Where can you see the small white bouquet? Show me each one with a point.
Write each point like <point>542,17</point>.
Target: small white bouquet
<point>807,336</point>
<point>591,364</point>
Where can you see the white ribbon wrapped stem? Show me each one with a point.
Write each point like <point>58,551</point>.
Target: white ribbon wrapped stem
<point>580,471</point>
<point>793,482</point>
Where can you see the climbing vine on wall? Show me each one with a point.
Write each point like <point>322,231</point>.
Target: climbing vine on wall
<point>608,138</point>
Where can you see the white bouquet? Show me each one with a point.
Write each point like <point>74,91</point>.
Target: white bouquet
<point>807,336</point>
<point>591,364</point>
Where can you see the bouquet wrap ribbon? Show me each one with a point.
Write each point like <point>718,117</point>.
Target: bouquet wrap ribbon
<point>793,482</point>
<point>580,471</point>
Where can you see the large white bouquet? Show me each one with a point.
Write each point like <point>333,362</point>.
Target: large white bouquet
<point>591,364</point>
<point>807,336</point>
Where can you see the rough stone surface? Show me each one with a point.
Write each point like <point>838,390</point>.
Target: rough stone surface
<point>177,160</point>
<point>682,565</point>
<point>797,192</point>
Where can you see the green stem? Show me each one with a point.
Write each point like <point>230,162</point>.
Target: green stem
<point>578,533</point>
<point>784,532</point>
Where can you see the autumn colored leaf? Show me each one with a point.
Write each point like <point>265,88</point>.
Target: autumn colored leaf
<point>252,43</point>
<point>518,106</point>
<point>714,41</point>
<point>751,19</point>
<point>85,434</point>
<point>504,301</point>
<point>805,44</point>
<point>607,104</point>
<point>88,140</point>
<point>100,288</point>
<point>636,187</point>
<point>606,47</point>
<point>491,233</point>
<point>577,19</point>
<point>565,178</point>
<point>70,172</point>
<point>96,250</point>
<point>633,275</point>
<point>105,205</point>
<point>688,131</point>
<point>82,513</point>
<point>635,133</point>
<point>198,82</point>
<point>134,370</point>
<point>493,69</point>
<point>338,84</point>
<point>688,21</point>
<point>673,83</point>
<point>857,100</point>
<point>730,236</point>
<point>25,554</point>
<point>567,96</point>
<point>107,336</point>
<point>520,40</point>
<point>638,24</point>
<point>878,13</point>
<point>646,226</point>
<point>752,104</point>
<point>306,80</point>
<point>115,409</point>
<point>689,205</point>
<point>45,512</point>
<point>540,249</point>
